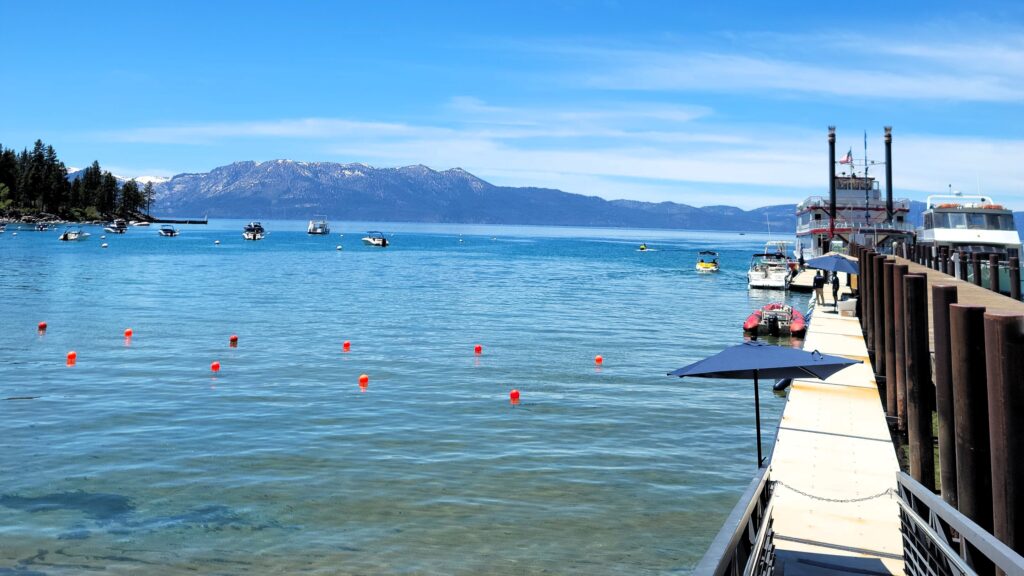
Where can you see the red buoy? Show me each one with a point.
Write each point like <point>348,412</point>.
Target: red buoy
<point>598,360</point>
<point>364,380</point>
<point>514,396</point>
<point>346,346</point>
<point>42,326</point>
<point>128,332</point>
<point>72,357</point>
<point>478,349</point>
<point>233,341</point>
<point>215,366</point>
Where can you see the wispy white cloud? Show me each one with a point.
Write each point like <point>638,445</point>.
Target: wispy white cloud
<point>979,68</point>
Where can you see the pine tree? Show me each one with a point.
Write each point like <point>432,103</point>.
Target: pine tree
<point>147,196</point>
<point>107,194</point>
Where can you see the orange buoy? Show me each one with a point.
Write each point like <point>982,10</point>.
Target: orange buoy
<point>215,366</point>
<point>233,341</point>
<point>514,396</point>
<point>42,326</point>
<point>128,332</point>
<point>598,360</point>
<point>364,380</point>
<point>346,346</point>
<point>478,349</point>
<point>72,357</point>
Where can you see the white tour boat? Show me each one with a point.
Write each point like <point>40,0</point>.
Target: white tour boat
<point>969,224</point>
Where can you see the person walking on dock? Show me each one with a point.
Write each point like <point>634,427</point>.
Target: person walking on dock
<point>819,288</point>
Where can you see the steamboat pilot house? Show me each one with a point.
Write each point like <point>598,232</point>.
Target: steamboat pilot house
<point>854,211</point>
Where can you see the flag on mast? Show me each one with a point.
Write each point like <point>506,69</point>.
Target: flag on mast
<point>848,159</point>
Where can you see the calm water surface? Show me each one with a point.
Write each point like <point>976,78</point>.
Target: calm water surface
<point>138,460</point>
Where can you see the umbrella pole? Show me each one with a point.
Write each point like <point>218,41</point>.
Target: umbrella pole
<point>757,414</point>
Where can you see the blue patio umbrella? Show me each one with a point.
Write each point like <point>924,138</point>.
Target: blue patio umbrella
<point>834,263</point>
<point>759,360</point>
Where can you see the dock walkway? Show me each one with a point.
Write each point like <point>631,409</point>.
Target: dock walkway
<point>834,464</point>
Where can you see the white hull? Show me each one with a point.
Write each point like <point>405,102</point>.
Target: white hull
<point>772,280</point>
<point>252,236</point>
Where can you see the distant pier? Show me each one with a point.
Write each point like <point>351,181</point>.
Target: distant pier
<point>203,220</point>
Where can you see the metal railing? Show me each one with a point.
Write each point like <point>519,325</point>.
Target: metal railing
<point>745,544</point>
<point>938,540</point>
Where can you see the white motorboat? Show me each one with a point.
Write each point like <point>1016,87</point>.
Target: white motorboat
<point>771,268</point>
<point>374,238</point>
<point>118,226</point>
<point>73,235</point>
<point>253,231</point>
<point>319,226</point>
<point>139,223</point>
<point>168,231</point>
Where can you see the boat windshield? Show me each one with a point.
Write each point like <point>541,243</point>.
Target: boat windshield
<point>969,221</point>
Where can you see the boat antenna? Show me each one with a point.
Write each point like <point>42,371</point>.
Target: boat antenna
<point>769,223</point>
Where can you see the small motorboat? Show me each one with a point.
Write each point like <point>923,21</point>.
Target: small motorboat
<point>643,247</point>
<point>42,227</point>
<point>253,231</point>
<point>776,319</point>
<point>118,226</point>
<point>168,231</point>
<point>139,223</point>
<point>707,261</point>
<point>319,226</point>
<point>73,235</point>
<point>374,238</point>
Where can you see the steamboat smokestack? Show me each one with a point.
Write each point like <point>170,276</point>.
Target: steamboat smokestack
<point>888,174</point>
<point>831,180</point>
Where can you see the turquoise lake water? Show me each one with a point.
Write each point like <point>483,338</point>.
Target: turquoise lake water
<point>138,460</point>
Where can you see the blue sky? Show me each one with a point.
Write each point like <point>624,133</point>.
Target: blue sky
<point>682,101</point>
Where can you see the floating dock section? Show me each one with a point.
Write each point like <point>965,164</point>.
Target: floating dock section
<point>835,466</point>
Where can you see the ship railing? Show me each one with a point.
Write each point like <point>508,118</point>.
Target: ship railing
<point>822,202</point>
<point>881,226</point>
<point>940,541</point>
<point>745,544</point>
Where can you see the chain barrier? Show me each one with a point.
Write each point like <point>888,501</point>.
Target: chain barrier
<point>887,492</point>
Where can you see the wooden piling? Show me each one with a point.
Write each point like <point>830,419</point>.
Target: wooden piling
<point>976,265</point>
<point>1004,342</point>
<point>878,312</point>
<point>898,272</point>
<point>993,272</point>
<point>1015,278</point>
<point>942,297</point>
<point>970,408</point>
<point>890,339</point>
<point>920,392</point>
<point>963,266</point>
<point>864,297</point>
<point>950,263</point>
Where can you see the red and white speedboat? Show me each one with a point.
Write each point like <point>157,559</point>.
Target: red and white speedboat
<point>776,319</point>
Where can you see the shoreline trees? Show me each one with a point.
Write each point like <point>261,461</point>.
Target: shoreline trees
<point>36,182</point>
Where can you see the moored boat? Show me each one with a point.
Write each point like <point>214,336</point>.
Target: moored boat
<point>707,261</point>
<point>168,231</point>
<point>776,319</point>
<point>771,268</point>
<point>319,226</point>
<point>969,224</point>
<point>374,238</point>
<point>253,231</point>
<point>118,226</point>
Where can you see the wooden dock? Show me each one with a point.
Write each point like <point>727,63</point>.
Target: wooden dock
<point>967,293</point>
<point>835,466</point>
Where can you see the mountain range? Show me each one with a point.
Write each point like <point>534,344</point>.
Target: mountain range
<point>299,190</point>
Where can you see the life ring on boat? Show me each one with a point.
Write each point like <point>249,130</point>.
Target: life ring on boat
<point>948,205</point>
<point>993,207</point>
